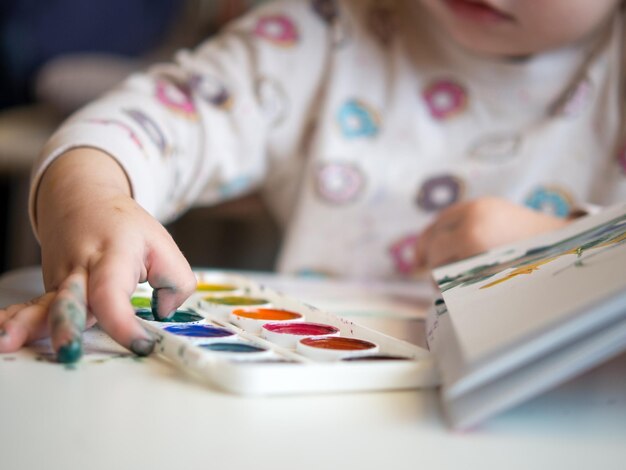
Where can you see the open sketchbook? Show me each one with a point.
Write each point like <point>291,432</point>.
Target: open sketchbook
<point>516,321</point>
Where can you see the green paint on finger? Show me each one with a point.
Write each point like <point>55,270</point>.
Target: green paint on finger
<point>70,353</point>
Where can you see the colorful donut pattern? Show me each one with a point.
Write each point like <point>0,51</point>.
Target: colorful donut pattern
<point>278,29</point>
<point>357,119</point>
<point>445,99</point>
<point>327,10</point>
<point>439,192</point>
<point>339,183</point>
<point>149,127</point>
<point>402,253</point>
<point>550,200</point>
<point>176,98</point>
<point>211,90</point>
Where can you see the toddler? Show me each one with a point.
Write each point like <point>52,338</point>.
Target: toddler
<point>386,136</point>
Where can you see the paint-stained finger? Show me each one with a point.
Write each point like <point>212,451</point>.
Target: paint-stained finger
<point>173,281</point>
<point>442,228</point>
<point>68,317</point>
<point>111,283</point>
<point>444,248</point>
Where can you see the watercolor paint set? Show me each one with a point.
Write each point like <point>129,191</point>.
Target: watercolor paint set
<point>248,339</point>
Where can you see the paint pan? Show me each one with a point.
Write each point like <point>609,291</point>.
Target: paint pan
<point>289,334</point>
<point>219,289</point>
<point>335,348</point>
<point>139,301</point>
<point>252,319</point>
<point>179,316</point>
<point>236,350</point>
<point>197,332</point>
<point>221,306</point>
<point>376,358</point>
<point>220,283</point>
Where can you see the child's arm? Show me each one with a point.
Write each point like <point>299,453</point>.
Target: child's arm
<point>97,244</point>
<point>210,126</point>
<point>469,228</point>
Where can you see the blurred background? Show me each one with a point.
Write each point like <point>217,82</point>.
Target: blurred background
<point>56,56</point>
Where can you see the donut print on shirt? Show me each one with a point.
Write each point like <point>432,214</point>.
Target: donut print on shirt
<point>278,29</point>
<point>445,99</point>
<point>152,130</point>
<point>339,183</point>
<point>211,90</point>
<point>550,200</point>
<point>357,119</point>
<point>176,98</point>
<point>439,192</point>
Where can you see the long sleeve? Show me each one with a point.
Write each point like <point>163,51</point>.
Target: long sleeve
<point>205,127</point>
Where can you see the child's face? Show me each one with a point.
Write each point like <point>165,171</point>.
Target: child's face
<point>519,27</point>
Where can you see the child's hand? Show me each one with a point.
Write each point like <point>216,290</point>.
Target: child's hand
<point>97,244</point>
<point>469,228</point>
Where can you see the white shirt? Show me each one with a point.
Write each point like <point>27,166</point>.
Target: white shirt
<point>359,124</point>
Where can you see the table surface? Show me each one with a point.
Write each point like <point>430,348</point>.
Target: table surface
<point>114,411</point>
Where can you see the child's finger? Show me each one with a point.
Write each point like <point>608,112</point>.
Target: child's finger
<point>436,241</point>
<point>23,323</point>
<point>442,253</point>
<point>67,317</point>
<point>111,283</point>
<point>173,281</point>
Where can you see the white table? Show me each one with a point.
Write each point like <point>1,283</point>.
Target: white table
<point>124,413</point>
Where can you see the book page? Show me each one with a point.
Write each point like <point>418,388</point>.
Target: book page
<point>519,297</point>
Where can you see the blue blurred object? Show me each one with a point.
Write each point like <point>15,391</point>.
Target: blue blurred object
<point>34,31</point>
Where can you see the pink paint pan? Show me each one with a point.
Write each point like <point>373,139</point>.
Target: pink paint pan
<point>288,334</point>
